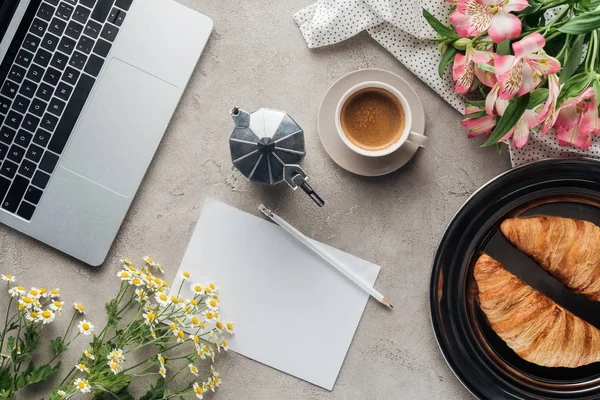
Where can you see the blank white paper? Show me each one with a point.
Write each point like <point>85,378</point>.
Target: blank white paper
<point>292,311</point>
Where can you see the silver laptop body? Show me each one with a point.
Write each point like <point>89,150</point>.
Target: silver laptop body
<point>119,128</point>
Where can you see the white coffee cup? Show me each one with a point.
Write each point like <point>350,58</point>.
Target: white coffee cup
<point>407,135</point>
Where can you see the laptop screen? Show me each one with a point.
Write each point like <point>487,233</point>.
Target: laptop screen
<point>7,10</point>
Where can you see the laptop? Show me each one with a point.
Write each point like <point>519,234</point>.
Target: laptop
<point>87,89</point>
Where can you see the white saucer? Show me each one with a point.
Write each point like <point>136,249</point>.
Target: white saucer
<point>339,152</point>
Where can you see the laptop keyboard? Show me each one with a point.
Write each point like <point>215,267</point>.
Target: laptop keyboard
<point>45,80</point>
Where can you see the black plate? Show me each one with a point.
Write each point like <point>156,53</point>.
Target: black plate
<point>479,358</point>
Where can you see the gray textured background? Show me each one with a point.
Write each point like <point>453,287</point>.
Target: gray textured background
<point>257,57</point>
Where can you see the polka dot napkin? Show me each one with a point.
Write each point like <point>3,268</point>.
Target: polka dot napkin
<point>398,25</point>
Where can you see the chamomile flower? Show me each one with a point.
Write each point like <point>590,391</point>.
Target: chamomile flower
<point>27,302</point>
<point>142,296</point>
<point>211,303</point>
<point>161,359</point>
<point>162,299</point>
<point>198,390</point>
<point>180,335</point>
<point>193,369</point>
<point>229,327</point>
<point>115,367</point>
<point>213,335</point>
<point>149,318</point>
<point>54,293</point>
<point>89,355</point>
<point>16,291</point>
<point>149,261</point>
<point>126,261</point>
<point>137,281</point>
<point>220,326</point>
<point>116,355</point>
<point>211,288</point>
<point>163,372</point>
<point>209,315</point>
<point>56,305</point>
<point>215,376</point>
<point>82,368</point>
<point>35,293</point>
<point>82,385</point>
<point>223,345</point>
<point>197,289</point>
<point>85,327</point>
<point>185,275</point>
<point>195,321</point>
<point>193,303</point>
<point>195,339</point>
<point>79,308</point>
<point>61,393</point>
<point>32,315</point>
<point>174,299</point>
<point>44,292</point>
<point>8,278</point>
<point>211,384</point>
<point>124,275</point>
<point>4,355</point>
<point>173,327</point>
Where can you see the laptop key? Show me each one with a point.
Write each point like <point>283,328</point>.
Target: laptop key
<point>101,10</point>
<point>59,61</point>
<point>9,89</point>
<point>56,106</point>
<point>74,30</point>
<point>50,42</point>
<point>17,73</point>
<point>66,45</point>
<point>8,169</point>
<point>40,179</point>
<point>88,3</point>
<point>109,32</point>
<point>92,29</point>
<point>15,193</point>
<point>21,104</point>
<point>41,137</point>
<point>42,57</point>
<point>13,120</point>
<point>31,42</point>
<point>26,211</point>
<point>16,153</point>
<point>24,58</point>
<point>63,91</point>
<point>4,105</point>
<point>37,107</point>
<point>23,138</point>
<point>49,122</point>
<point>45,11</point>
<point>124,4</point>
<point>85,44</point>
<point>52,76</point>
<point>48,162</point>
<point>70,76</point>
<point>28,89</point>
<point>35,73</point>
<point>45,91</point>
<point>81,14</point>
<point>57,26</point>
<point>38,27</point>
<point>30,122</point>
<point>53,2</point>
<point>3,151</point>
<point>64,11</point>
<point>116,16</point>
<point>4,185</point>
<point>102,47</point>
<point>71,114</point>
<point>34,153</point>
<point>33,195</point>
<point>27,168</point>
<point>7,135</point>
<point>94,65</point>
<point>78,60</point>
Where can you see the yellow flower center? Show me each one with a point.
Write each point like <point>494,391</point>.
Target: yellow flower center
<point>195,320</point>
<point>224,342</point>
<point>216,378</point>
<point>186,274</point>
<point>27,299</point>
<point>172,326</point>
<point>46,314</point>
<point>174,299</point>
<point>149,260</point>
<point>198,288</point>
<point>163,297</point>
<point>20,288</point>
<point>196,339</point>
<point>213,302</point>
<point>151,317</point>
<point>209,315</point>
<point>156,280</point>
<point>21,306</point>
<point>180,334</point>
<point>79,307</point>
<point>198,390</point>
<point>54,291</point>
<point>202,325</point>
<point>33,314</point>
<point>219,325</point>
<point>34,292</point>
<point>125,274</point>
<point>57,304</point>
<point>8,276</point>
<point>131,268</point>
<point>193,302</point>
<point>85,326</point>
<point>136,281</point>
<point>81,384</point>
<point>230,326</point>
<point>162,360</point>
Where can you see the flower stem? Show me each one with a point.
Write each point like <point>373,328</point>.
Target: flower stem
<point>5,325</point>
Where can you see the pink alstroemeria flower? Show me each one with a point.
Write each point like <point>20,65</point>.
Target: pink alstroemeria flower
<point>522,73</point>
<point>478,126</point>
<point>578,120</point>
<point>466,68</point>
<point>548,114</point>
<point>473,17</point>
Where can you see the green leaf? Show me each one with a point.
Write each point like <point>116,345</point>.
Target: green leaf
<point>537,97</point>
<point>503,48</point>
<point>10,344</point>
<point>597,88</point>
<point>585,4</point>
<point>58,345</point>
<point>575,86</point>
<point>583,23</point>
<point>513,113</point>
<point>446,59</point>
<point>122,394</point>
<point>533,8</point>
<point>573,59</point>
<point>477,114</point>
<point>440,28</point>
<point>476,103</point>
<point>5,379</point>
<point>112,312</point>
<point>156,391</point>
<point>486,67</point>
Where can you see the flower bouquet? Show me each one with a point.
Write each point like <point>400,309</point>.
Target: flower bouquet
<point>525,65</point>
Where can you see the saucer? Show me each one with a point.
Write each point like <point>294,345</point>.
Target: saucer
<point>339,152</point>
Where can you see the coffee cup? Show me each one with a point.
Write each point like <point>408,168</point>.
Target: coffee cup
<point>374,119</point>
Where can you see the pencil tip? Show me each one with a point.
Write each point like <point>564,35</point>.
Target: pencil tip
<point>387,303</point>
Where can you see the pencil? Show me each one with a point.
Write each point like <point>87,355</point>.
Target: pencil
<point>329,258</point>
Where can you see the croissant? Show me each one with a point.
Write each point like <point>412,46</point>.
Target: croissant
<point>568,249</point>
<point>535,327</point>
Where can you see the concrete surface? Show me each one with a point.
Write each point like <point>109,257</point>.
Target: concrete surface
<point>257,57</point>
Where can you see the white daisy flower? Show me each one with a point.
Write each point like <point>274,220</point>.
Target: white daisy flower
<point>56,305</point>
<point>89,355</point>
<point>16,291</point>
<point>126,261</point>
<point>161,359</point>
<point>85,327</point>
<point>46,316</point>
<point>115,367</point>
<point>162,299</point>
<point>193,369</point>
<point>211,288</point>
<point>185,275</point>
<point>124,275</point>
<point>229,327</point>
<point>82,385</point>
<point>116,354</point>
<point>149,318</point>
<point>180,335</point>
<point>142,296</point>
<point>54,293</point>
<point>211,303</point>
<point>149,261</point>
<point>79,308</point>
<point>198,390</point>
<point>163,372</point>
<point>220,326</point>
<point>32,316</point>
<point>8,278</point>
<point>137,281</point>
<point>35,293</point>
<point>223,345</point>
<point>82,368</point>
<point>27,302</point>
<point>44,292</point>
<point>61,393</point>
<point>211,384</point>
<point>209,315</point>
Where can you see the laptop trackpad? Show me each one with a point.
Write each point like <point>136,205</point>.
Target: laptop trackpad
<point>121,128</point>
